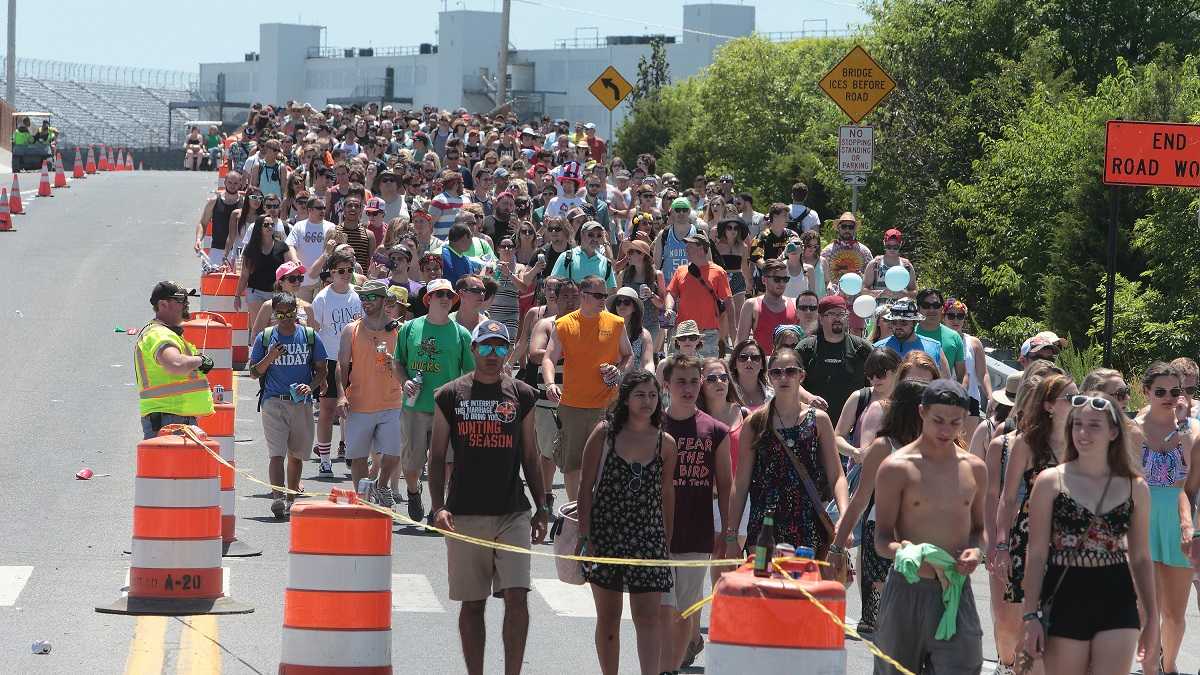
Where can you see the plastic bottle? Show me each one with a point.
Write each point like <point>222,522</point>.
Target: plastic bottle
<point>417,379</point>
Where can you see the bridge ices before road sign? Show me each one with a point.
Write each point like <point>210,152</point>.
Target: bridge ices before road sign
<point>856,149</point>
<point>857,84</point>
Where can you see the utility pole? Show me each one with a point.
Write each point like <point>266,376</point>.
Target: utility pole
<point>10,63</point>
<point>502,74</point>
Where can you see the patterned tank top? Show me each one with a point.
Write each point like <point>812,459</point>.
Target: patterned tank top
<point>1164,468</point>
<point>1082,538</point>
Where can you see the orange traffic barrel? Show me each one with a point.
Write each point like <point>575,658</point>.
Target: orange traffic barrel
<point>211,334</point>
<point>337,608</point>
<point>176,564</point>
<point>220,428</point>
<point>216,295</point>
<point>769,624</point>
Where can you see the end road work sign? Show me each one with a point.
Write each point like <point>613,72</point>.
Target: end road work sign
<point>1152,153</point>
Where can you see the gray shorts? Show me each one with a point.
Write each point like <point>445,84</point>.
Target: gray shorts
<point>908,620</point>
<point>546,428</point>
<point>288,427</point>
<point>364,431</point>
<point>416,430</point>
<point>690,582</point>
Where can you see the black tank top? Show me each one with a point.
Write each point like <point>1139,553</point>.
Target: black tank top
<point>357,238</point>
<point>265,264</point>
<point>220,221</point>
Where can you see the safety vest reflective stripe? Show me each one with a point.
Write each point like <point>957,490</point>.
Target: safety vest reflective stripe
<point>176,388</point>
<point>160,391</point>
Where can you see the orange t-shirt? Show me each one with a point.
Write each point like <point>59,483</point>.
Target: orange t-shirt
<point>373,386</point>
<point>587,343</point>
<point>694,301</point>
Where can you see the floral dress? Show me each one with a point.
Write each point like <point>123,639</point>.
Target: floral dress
<point>1018,536</point>
<point>775,484</point>
<point>627,522</point>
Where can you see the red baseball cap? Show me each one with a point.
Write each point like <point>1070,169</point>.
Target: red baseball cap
<point>893,234</point>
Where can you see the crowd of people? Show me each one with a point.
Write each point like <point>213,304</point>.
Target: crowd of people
<point>482,302</point>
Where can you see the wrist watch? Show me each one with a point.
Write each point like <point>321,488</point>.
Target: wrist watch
<point>1035,615</point>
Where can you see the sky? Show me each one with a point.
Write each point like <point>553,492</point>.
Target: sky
<point>180,35</point>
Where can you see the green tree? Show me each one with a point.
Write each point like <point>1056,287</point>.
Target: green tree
<point>652,74</point>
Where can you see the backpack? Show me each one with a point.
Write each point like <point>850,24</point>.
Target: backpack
<point>570,257</point>
<point>310,337</point>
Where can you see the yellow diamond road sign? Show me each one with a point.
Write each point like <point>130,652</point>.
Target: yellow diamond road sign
<point>857,84</point>
<point>610,88</point>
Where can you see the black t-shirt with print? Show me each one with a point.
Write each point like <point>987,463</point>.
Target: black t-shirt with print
<point>485,432</point>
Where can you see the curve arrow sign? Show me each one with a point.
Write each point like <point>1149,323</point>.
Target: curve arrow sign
<point>616,91</point>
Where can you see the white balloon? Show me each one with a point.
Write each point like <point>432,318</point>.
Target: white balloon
<point>896,278</point>
<point>850,283</point>
<point>864,306</point>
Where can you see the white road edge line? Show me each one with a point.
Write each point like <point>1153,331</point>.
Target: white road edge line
<point>12,581</point>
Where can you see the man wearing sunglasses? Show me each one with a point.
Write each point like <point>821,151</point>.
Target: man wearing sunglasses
<point>1045,345</point>
<point>834,359</point>
<point>484,416</point>
<point>334,308</point>
<point>904,317</point>
<point>307,242</point>
<point>932,304</point>
<point>670,247</point>
<point>370,402</point>
<point>430,351</point>
<point>217,211</point>
<point>760,315</point>
<point>587,259</point>
<point>170,370</point>
<point>846,253</point>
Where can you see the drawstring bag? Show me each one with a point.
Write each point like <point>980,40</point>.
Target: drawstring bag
<point>565,541</point>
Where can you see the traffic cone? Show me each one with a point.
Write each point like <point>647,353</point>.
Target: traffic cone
<point>14,201</point>
<point>117,164</point>
<point>77,169</point>
<point>44,183</point>
<point>5,219</point>
<point>129,161</point>
<point>90,167</point>
<point>103,164</point>
<point>141,166</point>
<point>60,176</point>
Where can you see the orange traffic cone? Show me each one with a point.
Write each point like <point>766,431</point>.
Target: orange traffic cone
<point>60,176</point>
<point>129,161</point>
<point>77,169</point>
<point>44,183</point>
<point>14,201</point>
<point>121,159</point>
<point>90,167</point>
<point>103,164</point>
<point>5,219</point>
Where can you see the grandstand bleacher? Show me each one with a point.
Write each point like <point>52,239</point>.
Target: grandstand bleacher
<point>87,113</point>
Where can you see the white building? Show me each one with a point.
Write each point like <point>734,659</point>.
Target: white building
<point>291,64</point>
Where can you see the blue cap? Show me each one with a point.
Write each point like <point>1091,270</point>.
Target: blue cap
<point>488,329</point>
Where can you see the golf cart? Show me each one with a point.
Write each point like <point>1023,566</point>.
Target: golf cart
<point>29,147</point>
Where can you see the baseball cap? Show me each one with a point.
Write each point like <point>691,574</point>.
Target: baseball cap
<point>681,203</point>
<point>438,285</point>
<point>590,125</point>
<point>576,212</point>
<point>489,329</point>
<point>589,225</point>
<point>893,234</point>
<point>830,302</point>
<point>945,392</point>
<point>504,194</point>
<point>169,289</point>
<point>500,172</point>
<point>527,131</point>
<point>288,268</point>
<point>374,204</point>
<point>372,286</point>
<point>698,237</point>
<point>1042,339</point>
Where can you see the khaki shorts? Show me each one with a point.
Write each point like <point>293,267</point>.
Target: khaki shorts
<point>547,430</point>
<point>690,582</point>
<point>288,427</point>
<point>474,572</point>
<point>416,428</point>
<point>577,425</point>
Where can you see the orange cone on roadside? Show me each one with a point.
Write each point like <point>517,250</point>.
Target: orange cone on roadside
<point>129,161</point>
<point>60,176</point>
<point>118,163</point>
<point>14,201</point>
<point>77,169</point>
<point>5,219</point>
<point>44,183</point>
<point>103,163</point>
<point>90,167</point>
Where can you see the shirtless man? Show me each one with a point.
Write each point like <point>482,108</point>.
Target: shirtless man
<point>914,506</point>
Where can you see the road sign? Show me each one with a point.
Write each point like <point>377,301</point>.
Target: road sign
<point>1152,153</point>
<point>857,84</point>
<point>856,149</point>
<point>855,179</point>
<point>610,88</point>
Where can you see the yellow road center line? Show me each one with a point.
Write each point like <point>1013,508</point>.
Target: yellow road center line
<point>199,653</point>
<point>146,650</point>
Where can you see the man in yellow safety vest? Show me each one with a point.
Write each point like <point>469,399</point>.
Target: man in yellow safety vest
<point>170,371</point>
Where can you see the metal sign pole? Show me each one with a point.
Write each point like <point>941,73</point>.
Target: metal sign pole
<point>854,199</point>
<point>1110,289</point>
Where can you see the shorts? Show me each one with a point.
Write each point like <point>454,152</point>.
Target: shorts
<point>690,582</point>
<point>1078,612</point>
<point>546,427</point>
<point>416,431</point>
<point>908,619</point>
<point>474,572</point>
<point>154,421</point>
<point>379,430</point>
<point>576,425</point>
<point>331,383</point>
<point>741,526</point>
<point>253,294</point>
<point>287,427</point>
<point>1164,527</point>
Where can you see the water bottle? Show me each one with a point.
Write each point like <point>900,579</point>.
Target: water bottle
<point>644,291</point>
<point>365,487</point>
<point>41,647</point>
<point>417,379</point>
<point>381,349</point>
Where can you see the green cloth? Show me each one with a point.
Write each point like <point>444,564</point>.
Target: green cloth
<point>908,561</point>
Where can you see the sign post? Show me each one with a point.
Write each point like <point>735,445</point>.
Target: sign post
<point>856,153</point>
<point>1148,154</point>
<point>610,88</point>
<point>857,85</point>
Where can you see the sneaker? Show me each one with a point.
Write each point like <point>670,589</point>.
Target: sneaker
<point>1002,669</point>
<point>287,508</point>
<point>326,467</point>
<point>693,649</point>
<point>277,508</point>
<point>341,451</point>
<point>416,509</point>
<point>383,497</point>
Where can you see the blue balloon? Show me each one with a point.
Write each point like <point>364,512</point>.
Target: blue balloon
<point>850,283</point>
<point>896,279</point>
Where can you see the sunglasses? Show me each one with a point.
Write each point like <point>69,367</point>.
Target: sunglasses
<point>1175,392</point>
<point>504,246</point>
<point>474,290</point>
<point>500,351</point>
<point>527,233</point>
<point>806,308</point>
<point>877,376</point>
<point>779,279</point>
<point>713,378</point>
<point>442,295</point>
<point>1121,394</point>
<point>294,278</point>
<point>931,305</point>
<point>370,297</point>
<point>687,338</point>
<point>1096,403</point>
<point>790,371</point>
<point>254,198</point>
<point>554,229</point>
<point>271,205</point>
<point>621,301</point>
<point>745,357</point>
<point>681,210</point>
<point>595,294</point>
<point>956,316</point>
<point>343,270</point>
<point>286,315</point>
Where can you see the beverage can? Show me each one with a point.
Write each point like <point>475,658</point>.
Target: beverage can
<point>41,647</point>
<point>644,291</point>
<point>542,259</point>
<point>295,393</point>
<point>365,487</point>
<point>219,394</point>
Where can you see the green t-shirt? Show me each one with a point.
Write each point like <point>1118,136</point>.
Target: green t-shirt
<point>952,343</point>
<point>480,249</point>
<point>439,353</point>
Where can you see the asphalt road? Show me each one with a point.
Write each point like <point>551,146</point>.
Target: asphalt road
<point>82,264</point>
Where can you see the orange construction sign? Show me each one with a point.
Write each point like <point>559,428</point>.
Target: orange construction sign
<point>1152,153</point>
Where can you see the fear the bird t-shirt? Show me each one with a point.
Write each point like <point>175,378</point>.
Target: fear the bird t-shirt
<point>485,432</point>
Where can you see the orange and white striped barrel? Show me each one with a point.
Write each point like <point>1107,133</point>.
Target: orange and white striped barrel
<point>767,625</point>
<point>216,295</point>
<point>211,334</point>
<point>220,428</point>
<point>337,609</point>
<point>176,563</point>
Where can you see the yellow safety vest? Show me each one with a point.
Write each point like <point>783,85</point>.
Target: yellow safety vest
<point>160,391</point>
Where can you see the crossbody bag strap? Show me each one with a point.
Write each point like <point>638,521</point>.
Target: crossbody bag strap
<point>1082,540</point>
<point>805,480</point>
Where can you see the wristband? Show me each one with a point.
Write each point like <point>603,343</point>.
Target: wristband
<point>1196,534</point>
<point>1002,546</point>
<point>730,538</point>
<point>1035,615</point>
